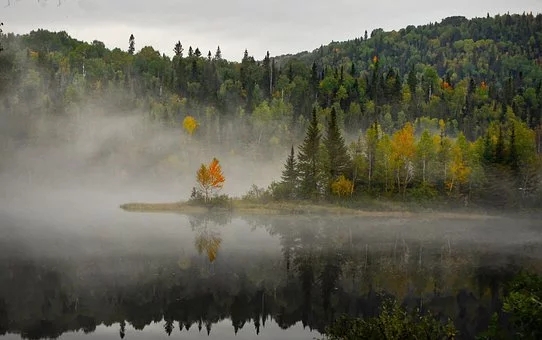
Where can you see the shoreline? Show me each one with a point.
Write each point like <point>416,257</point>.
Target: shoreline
<point>240,208</point>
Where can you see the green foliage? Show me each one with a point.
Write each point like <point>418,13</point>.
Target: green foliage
<point>338,160</point>
<point>393,323</point>
<point>197,197</point>
<point>309,166</point>
<point>290,176</point>
<point>477,77</point>
<point>524,305</point>
<point>522,310</point>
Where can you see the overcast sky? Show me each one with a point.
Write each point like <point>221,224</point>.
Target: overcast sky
<point>280,26</point>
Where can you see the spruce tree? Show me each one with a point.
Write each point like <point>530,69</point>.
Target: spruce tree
<point>178,49</point>
<point>218,54</point>
<point>131,45</point>
<point>488,151</point>
<point>1,24</point>
<point>289,176</point>
<point>308,160</point>
<point>499,148</point>
<point>338,159</point>
<point>513,158</point>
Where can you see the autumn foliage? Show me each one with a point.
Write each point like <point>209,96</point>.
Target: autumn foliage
<point>342,187</point>
<point>190,124</point>
<point>210,178</point>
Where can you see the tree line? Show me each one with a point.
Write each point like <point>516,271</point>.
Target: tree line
<point>478,77</point>
<point>501,168</point>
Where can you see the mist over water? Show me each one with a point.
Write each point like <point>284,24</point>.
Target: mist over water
<point>72,262</point>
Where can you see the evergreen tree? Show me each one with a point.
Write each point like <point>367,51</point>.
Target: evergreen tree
<point>178,49</point>
<point>513,158</point>
<point>309,161</point>
<point>499,148</point>
<point>289,175</point>
<point>412,81</point>
<point>338,160</point>
<point>488,153</point>
<point>218,54</point>
<point>267,76</point>
<point>131,45</point>
<point>1,24</point>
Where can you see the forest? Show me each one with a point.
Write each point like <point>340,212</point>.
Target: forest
<point>449,110</point>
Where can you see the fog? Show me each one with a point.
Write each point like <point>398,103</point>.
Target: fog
<point>64,240</point>
<point>97,159</point>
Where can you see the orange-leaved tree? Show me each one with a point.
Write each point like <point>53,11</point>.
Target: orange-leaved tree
<point>210,178</point>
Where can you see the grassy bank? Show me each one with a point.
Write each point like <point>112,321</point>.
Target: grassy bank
<point>247,207</point>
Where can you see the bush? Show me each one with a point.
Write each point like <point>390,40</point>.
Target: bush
<point>423,193</point>
<point>522,310</point>
<point>392,323</point>
<point>254,194</point>
<point>217,201</point>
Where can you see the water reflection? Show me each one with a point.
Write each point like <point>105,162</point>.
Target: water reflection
<point>325,267</point>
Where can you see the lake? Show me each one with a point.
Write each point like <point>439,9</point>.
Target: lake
<point>74,271</point>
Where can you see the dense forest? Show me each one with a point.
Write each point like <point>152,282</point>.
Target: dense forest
<point>450,109</point>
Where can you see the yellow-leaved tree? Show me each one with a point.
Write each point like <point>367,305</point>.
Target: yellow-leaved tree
<point>403,151</point>
<point>459,167</point>
<point>342,187</point>
<point>190,124</point>
<point>210,178</point>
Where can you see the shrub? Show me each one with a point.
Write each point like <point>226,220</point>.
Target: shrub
<point>393,323</point>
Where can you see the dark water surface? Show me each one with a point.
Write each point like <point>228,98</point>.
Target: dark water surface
<point>76,273</point>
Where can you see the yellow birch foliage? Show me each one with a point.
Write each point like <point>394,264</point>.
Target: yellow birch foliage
<point>403,151</point>
<point>342,187</point>
<point>459,169</point>
<point>403,143</point>
<point>190,124</point>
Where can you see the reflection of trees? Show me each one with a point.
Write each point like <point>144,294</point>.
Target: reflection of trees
<point>324,272</point>
<point>208,239</point>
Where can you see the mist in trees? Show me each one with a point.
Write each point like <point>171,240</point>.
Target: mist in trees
<point>470,90</point>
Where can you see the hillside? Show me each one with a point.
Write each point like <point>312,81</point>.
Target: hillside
<point>478,79</point>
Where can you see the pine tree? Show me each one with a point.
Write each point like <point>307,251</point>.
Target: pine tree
<point>513,158</point>
<point>499,148</point>
<point>218,54</point>
<point>289,175</point>
<point>488,154</point>
<point>309,161</point>
<point>267,76</point>
<point>178,49</point>
<point>131,45</point>
<point>1,24</point>
<point>339,162</point>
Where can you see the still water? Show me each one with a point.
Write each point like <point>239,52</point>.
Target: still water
<point>78,274</point>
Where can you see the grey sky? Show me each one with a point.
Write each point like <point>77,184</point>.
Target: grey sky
<point>280,26</point>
